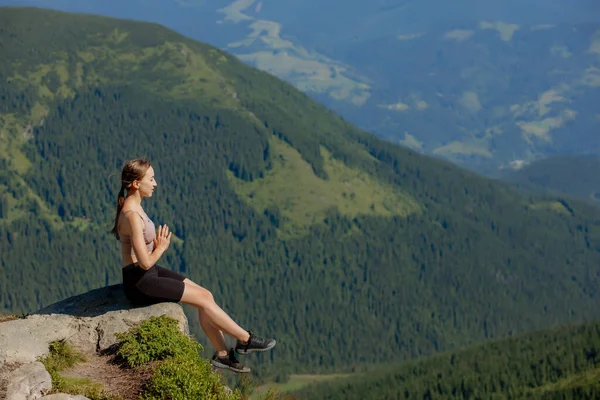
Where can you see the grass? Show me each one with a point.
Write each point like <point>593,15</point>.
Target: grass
<point>591,77</point>
<point>561,51</point>
<point>409,36</point>
<point>586,379</point>
<point>541,129</point>
<point>20,199</point>
<point>295,382</point>
<point>540,107</point>
<point>28,202</point>
<point>233,12</point>
<point>537,126</point>
<point>308,71</point>
<point>304,199</point>
<point>36,77</point>
<point>506,30</point>
<point>542,27</point>
<point>470,101</point>
<point>191,75</point>
<point>310,74</point>
<point>463,148</point>
<point>117,36</point>
<point>11,136</point>
<point>12,211</point>
<point>189,69</point>
<point>459,35</point>
<point>411,141</point>
<point>595,43</point>
<point>395,107</point>
<point>63,356</point>
<point>20,160</point>
<point>9,128</point>
<point>38,113</point>
<point>550,205</point>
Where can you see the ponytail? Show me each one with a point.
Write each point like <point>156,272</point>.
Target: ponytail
<point>120,202</point>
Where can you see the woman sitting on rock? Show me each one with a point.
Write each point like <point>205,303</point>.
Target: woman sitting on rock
<point>147,283</point>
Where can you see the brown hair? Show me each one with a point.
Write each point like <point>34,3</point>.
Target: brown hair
<point>133,170</point>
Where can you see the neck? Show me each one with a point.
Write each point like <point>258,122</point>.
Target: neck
<point>134,198</point>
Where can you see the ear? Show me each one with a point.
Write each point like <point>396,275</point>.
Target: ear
<point>135,184</point>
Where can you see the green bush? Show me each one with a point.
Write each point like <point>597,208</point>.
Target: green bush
<point>157,338</point>
<point>61,356</point>
<point>186,378</point>
<point>180,373</point>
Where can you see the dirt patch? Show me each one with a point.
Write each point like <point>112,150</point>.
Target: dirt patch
<point>118,380</point>
<point>4,318</point>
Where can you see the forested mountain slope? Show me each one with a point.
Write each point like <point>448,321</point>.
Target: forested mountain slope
<point>575,175</point>
<point>303,226</point>
<point>558,363</point>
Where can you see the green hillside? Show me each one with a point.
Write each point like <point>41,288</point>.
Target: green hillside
<point>559,363</point>
<point>574,175</point>
<point>303,226</point>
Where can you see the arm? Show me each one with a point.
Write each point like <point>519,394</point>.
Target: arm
<point>161,242</point>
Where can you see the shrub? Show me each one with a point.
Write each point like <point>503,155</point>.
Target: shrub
<point>187,378</point>
<point>155,339</point>
<point>180,373</point>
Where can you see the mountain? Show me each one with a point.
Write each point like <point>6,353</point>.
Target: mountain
<point>305,227</point>
<point>558,363</point>
<point>480,83</point>
<point>573,175</point>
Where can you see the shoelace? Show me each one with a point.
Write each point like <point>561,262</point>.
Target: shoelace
<point>260,341</point>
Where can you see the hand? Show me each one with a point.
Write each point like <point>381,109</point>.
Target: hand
<point>163,238</point>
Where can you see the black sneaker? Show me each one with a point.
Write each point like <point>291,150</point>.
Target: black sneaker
<point>254,344</point>
<point>229,362</point>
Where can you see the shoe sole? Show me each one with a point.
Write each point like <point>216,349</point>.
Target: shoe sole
<point>225,366</point>
<point>244,352</point>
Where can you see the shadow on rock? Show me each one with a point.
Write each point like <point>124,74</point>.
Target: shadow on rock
<point>91,304</point>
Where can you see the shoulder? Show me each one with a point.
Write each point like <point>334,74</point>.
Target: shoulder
<point>133,217</point>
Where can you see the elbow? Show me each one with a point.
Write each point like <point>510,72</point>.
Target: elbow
<point>144,265</point>
<point>143,261</point>
<point>145,258</point>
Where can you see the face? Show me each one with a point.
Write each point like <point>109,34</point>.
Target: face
<point>147,184</point>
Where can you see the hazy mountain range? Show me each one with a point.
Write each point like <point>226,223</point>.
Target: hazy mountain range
<point>481,83</point>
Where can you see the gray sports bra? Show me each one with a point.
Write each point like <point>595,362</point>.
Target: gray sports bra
<point>149,232</point>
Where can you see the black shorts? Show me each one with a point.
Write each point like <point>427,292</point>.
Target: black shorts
<point>155,285</point>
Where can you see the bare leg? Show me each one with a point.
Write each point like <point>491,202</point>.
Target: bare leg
<point>211,313</point>
<point>214,335</point>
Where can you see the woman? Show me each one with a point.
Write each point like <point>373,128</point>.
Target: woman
<point>147,283</point>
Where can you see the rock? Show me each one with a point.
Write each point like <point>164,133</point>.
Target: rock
<point>28,382</point>
<point>63,396</point>
<point>88,321</point>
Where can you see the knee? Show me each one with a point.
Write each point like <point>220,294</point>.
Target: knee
<point>204,297</point>
<point>197,296</point>
<point>208,295</point>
